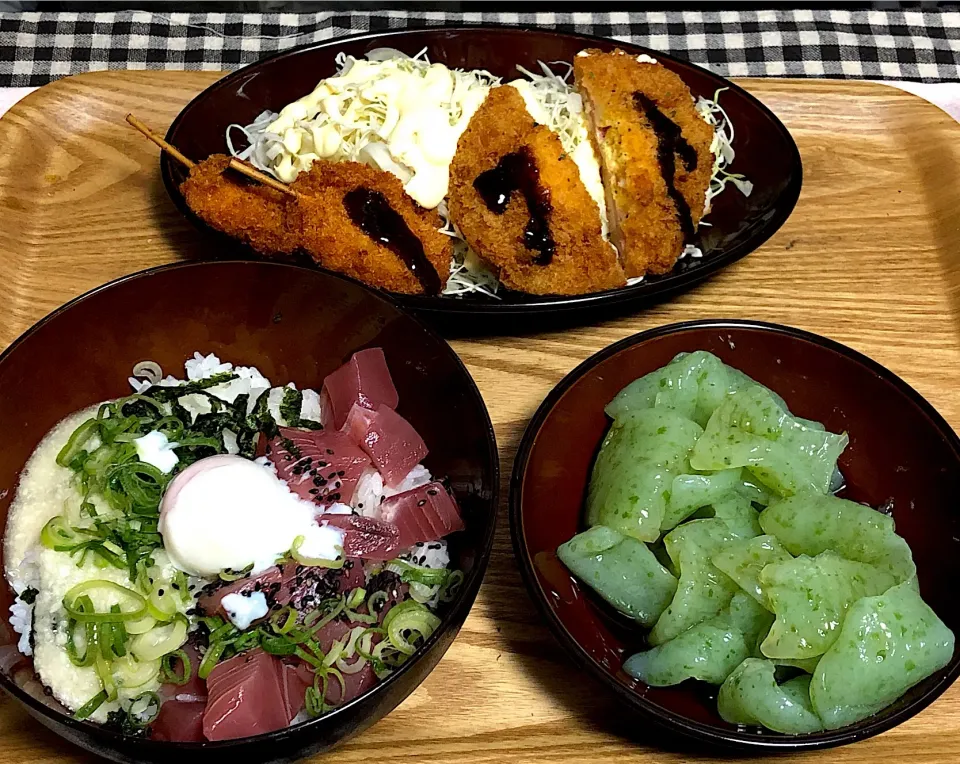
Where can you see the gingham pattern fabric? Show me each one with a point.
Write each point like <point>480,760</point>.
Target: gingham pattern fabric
<point>36,48</point>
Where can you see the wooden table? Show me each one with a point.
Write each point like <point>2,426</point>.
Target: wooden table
<point>870,257</point>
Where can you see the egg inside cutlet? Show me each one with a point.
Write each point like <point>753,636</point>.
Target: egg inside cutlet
<point>654,152</point>
<point>519,201</point>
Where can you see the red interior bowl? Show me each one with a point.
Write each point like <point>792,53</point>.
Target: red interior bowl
<point>296,325</point>
<point>902,454</point>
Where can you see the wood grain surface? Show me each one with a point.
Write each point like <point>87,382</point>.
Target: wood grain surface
<point>870,257</point>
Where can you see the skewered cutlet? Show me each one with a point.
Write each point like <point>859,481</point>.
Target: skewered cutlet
<point>520,203</point>
<point>654,153</point>
<point>245,210</point>
<point>350,218</point>
<point>357,220</point>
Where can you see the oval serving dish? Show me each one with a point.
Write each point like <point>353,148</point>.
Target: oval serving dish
<point>765,153</point>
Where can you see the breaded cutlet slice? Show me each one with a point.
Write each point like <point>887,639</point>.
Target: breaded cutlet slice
<point>240,208</point>
<point>580,260</point>
<point>335,200</point>
<point>639,112</point>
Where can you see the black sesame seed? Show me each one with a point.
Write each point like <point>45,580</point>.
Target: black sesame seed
<point>330,451</point>
<point>341,473</point>
<point>432,492</point>
<point>314,490</point>
<point>159,592</point>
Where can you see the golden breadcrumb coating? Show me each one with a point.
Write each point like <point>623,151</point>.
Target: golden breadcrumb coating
<point>240,208</point>
<point>581,261</point>
<point>334,241</point>
<point>645,223</point>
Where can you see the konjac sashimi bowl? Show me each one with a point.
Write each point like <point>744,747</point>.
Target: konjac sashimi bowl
<point>901,456</point>
<point>292,324</point>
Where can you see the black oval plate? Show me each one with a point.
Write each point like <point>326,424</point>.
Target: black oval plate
<point>765,154</point>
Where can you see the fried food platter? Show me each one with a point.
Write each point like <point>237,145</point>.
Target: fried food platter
<point>736,224</point>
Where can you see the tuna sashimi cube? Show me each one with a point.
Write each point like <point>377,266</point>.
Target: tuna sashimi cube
<point>364,381</point>
<point>245,698</point>
<point>426,513</point>
<point>322,466</point>
<point>179,722</point>
<point>367,538</point>
<point>295,678</point>
<point>390,441</point>
<point>269,582</point>
<point>304,587</point>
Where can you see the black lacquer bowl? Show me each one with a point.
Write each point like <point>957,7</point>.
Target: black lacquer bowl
<point>294,324</point>
<point>901,455</point>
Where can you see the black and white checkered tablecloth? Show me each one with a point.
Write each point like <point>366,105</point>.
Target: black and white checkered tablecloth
<point>911,45</point>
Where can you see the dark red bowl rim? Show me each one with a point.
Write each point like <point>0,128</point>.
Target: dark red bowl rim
<point>454,615</point>
<point>434,308</point>
<point>666,719</point>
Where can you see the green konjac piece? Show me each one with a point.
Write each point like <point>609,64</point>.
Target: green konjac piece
<point>689,493</point>
<point>751,695</point>
<point>887,645</point>
<point>811,523</point>
<point>703,591</point>
<point>739,515</point>
<point>751,430</point>
<point>622,570</point>
<point>635,468</point>
<point>708,652</point>
<point>743,560</point>
<point>804,664</point>
<point>692,384</point>
<point>810,597</point>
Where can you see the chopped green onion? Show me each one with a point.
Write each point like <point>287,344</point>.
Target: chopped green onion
<point>160,640</point>
<point>210,659</point>
<point>91,705</point>
<point>132,673</point>
<point>355,598</point>
<point>229,575</point>
<point>105,673</point>
<point>281,646</point>
<point>409,572</point>
<point>80,437</point>
<point>412,618</point>
<point>315,562</point>
<point>150,703</point>
<point>283,620</point>
<point>168,670</point>
<point>138,605</point>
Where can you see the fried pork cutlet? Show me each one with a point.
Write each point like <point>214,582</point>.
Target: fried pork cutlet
<point>359,221</point>
<point>520,203</point>
<point>654,152</point>
<point>240,208</point>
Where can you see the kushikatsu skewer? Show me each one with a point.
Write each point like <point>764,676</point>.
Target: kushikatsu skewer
<point>348,217</point>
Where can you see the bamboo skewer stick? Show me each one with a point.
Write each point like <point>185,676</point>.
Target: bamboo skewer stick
<point>235,164</point>
<point>169,148</point>
<point>252,172</point>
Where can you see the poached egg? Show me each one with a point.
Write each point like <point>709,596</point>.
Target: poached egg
<point>227,512</point>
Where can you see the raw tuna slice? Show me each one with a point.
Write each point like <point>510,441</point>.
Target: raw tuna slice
<point>269,582</point>
<point>426,513</point>
<point>245,698</point>
<point>322,466</point>
<point>306,587</point>
<point>354,686</point>
<point>179,722</point>
<point>390,440</point>
<point>364,381</point>
<point>295,678</point>
<point>367,538</point>
<point>195,690</point>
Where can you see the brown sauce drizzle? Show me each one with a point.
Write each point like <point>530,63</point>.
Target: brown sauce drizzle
<point>518,171</point>
<point>371,213</point>
<point>670,143</point>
